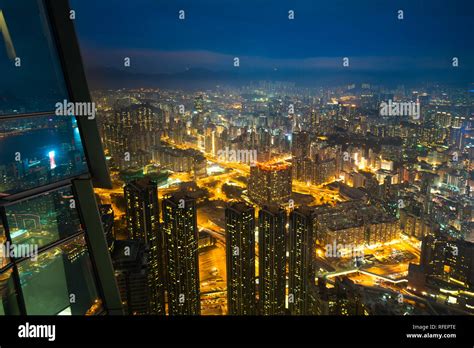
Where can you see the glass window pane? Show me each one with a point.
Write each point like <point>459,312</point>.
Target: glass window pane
<point>31,79</point>
<point>36,151</point>
<point>43,219</point>
<point>8,295</point>
<point>60,281</point>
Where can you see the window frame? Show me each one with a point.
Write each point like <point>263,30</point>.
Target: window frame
<point>65,42</point>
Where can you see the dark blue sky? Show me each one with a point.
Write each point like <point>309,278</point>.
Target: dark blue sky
<point>260,34</point>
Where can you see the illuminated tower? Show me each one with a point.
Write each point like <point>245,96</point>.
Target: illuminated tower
<point>181,254</point>
<point>300,271</point>
<point>199,103</point>
<point>198,115</point>
<point>141,197</point>
<point>300,144</point>
<point>272,260</point>
<point>131,265</point>
<point>240,255</point>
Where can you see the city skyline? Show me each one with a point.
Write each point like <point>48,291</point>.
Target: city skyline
<point>240,159</point>
<point>364,186</point>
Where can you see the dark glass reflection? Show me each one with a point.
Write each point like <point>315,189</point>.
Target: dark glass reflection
<point>31,79</point>
<point>60,281</point>
<point>43,219</point>
<point>8,295</point>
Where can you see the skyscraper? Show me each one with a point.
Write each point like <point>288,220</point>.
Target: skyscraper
<point>131,264</point>
<point>449,261</point>
<point>132,135</point>
<point>272,260</point>
<point>300,271</point>
<point>300,144</point>
<point>270,183</point>
<point>181,254</point>
<point>141,197</point>
<point>240,256</point>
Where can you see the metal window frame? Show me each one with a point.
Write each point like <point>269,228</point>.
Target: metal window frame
<point>64,36</point>
<point>102,264</point>
<point>70,58</point>
<point>67,49</point>
<point>98,249</point>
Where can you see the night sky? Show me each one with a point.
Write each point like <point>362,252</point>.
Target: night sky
<point>261,35</point>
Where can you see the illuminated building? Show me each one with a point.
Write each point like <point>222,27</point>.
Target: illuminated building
<point>325,171</point>
<point>300,144</point>
<point>272,260</point>
<point>206,240</point>
<point>315,119</point>
<point>48,210</point>
<point>300,267</point>
<point>449,260</point>
<point>181,254</point>
<point>240,256</point>
<point>210,139</point>
<point>344,298</point>
<point>362,179</point>
<point>132,134</point>
<point>426,184</point>
<point>141,197</point>
<point>107,217</point>
<point>199,103</point>
<point>415,226</point>
<point>130,259</point>
<point>353,223</point>
<point>179,160</point>
<point>198,115</point>
<point>320,167</point>
<point>303,170</point>
<point>446,269</point>
<point>383,175</point>
<point>270,183</point>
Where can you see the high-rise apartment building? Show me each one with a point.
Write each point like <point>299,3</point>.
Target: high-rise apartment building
<point>448,261</point>
<point>131,265</point>
<point>270,183</point>
<point>272,260</point>
<point>143,219</point>
<point>133,134</point>
<point>301,274</point>
<point>240,255</point>
<point>446,271</point>
<point>181,254</point>
<point>300,144</point>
